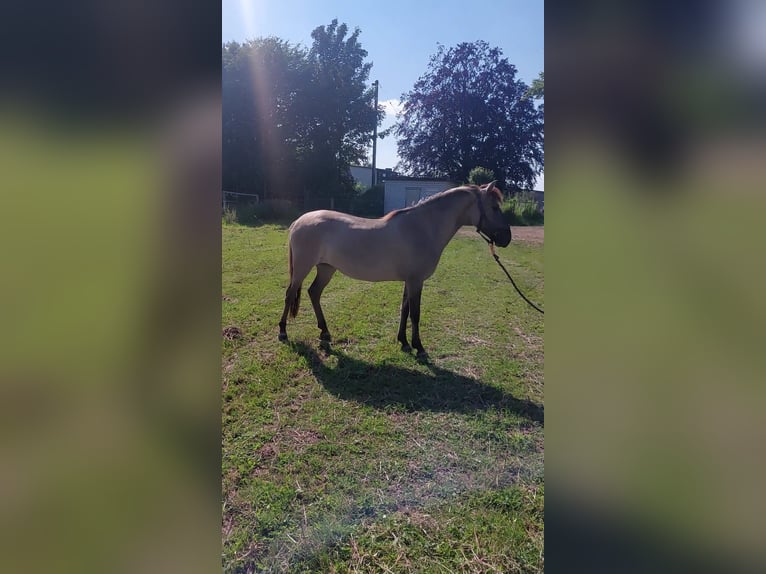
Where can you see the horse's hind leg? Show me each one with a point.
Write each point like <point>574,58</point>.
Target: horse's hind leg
<point>324,274</point>
<point>293,292</point>
<point>405,312</point>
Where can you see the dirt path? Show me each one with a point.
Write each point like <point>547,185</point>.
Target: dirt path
<point>534,234</point>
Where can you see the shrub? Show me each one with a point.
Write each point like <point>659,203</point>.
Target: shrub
<point>277,210</point>
<point>269,211</point>
<point>229,215</point>
<point>480,175</point>
<point>521,209</point>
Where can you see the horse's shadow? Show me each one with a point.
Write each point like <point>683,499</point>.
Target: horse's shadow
<point>385,386</point>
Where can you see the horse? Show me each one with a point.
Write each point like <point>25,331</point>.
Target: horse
<point>404,245</point>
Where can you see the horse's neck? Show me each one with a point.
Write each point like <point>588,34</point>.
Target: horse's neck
<point>448,215</point>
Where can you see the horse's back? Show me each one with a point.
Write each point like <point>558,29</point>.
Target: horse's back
<point>367,249</point>
<point>322,216</point>
<point>334,224</point>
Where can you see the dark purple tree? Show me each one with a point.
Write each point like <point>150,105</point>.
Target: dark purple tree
<point>469,110</point>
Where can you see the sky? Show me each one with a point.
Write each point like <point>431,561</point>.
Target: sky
<point>400,37</point>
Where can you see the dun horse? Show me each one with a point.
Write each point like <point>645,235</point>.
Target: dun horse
<point>405,245</point>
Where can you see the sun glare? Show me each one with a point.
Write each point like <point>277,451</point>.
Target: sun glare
<point>247,10</point>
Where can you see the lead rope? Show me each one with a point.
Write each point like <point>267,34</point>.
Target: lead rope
<point>492,251</point>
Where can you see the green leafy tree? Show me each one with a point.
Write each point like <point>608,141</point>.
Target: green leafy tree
<point>263,84</point>
<point>341,110</point>
<point>294,119</point>
<point>536,90</point>
<point>469,109</point>
<point>481,175</point>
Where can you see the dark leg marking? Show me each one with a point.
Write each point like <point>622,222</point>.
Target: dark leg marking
<point>324,274</point>
<point>405,311</point>
<point>289,297</point>
<point>282,331</point>
<point>415,291</point>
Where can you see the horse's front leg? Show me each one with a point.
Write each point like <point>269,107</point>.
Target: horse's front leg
<point>415,290</point>
<point>405,311</point>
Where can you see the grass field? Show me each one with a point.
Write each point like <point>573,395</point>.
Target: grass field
<point>357,457</point>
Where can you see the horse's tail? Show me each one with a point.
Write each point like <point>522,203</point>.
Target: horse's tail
<point>296,302</point>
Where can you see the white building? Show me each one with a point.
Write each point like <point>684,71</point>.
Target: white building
<point>403,192</point>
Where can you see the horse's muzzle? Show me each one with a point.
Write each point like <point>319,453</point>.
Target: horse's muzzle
<point>503,238</point>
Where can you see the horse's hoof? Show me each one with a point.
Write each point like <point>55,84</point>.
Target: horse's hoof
<point>406,348</point>
<point>421,354</point>
<point>325,336</point>
<point>283,337</point>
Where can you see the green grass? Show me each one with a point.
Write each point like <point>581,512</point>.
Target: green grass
<point>357,457</point>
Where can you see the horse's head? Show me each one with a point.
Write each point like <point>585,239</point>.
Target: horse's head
<point>491,220</point>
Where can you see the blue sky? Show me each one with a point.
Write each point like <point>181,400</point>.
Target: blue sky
<point>400,36</point>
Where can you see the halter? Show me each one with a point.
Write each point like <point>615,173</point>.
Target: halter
<point>481,218</point>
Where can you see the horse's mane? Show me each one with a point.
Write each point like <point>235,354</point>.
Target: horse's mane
<point>437,196</point>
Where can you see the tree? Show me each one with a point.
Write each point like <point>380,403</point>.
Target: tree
<point>469,109</point>
<point>340,108</point>
<point>537,90</point>
<point>263,84</point>
<point>294,119</point>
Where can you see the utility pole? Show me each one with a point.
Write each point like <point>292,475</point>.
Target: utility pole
<point>375,133</point>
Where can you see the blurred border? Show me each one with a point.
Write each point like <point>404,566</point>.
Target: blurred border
<point>110,298</point>
<point>655,141</point>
